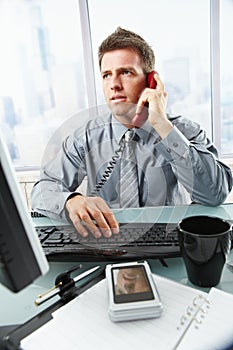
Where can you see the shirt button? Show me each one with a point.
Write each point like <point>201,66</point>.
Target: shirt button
<point>169,150</point>
<point>175,144</point>
<point>57,207</point>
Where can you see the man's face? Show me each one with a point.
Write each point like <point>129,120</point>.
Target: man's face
<point>123,82</point>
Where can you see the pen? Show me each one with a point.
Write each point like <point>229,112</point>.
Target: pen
<point>163,262</point>
<point>56,289</point>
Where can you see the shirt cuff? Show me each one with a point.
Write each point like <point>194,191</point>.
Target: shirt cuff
<point>174,146</point>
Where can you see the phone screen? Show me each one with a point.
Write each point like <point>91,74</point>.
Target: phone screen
<point>131,284</point>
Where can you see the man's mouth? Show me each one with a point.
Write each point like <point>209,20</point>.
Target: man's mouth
<point>118,98</point>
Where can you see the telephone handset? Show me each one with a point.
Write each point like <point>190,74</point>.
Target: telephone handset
<point>152,83</point>
<point>140,119</point>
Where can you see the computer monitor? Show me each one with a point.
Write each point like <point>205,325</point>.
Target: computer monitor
<point>22,259</point>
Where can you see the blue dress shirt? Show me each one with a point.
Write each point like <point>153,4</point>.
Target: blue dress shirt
<point>185,162</point>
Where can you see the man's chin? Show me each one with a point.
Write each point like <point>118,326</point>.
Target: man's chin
<point>123,110</point>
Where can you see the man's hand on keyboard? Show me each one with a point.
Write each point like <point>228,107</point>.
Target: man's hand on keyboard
<point>83,210</point>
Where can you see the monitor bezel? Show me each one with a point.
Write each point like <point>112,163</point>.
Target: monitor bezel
<point>22,259</point>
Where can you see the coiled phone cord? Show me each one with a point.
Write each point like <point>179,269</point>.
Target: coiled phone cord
<point>109,169</point>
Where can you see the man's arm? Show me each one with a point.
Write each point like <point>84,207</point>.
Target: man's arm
<point>54,194</point>
<point>194,162</point>
<point>194,159</point>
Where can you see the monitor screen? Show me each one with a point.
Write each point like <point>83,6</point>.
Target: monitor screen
<point>22,259</point>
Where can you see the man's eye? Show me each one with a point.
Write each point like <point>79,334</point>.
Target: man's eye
<point>105,76</point>
<point>126,72</point>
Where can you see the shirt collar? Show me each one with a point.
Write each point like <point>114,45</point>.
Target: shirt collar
<point>118,128</point>
<point>146,133</point>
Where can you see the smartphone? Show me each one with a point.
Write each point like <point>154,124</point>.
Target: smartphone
<point>132,292</point>
<point>128,276</point>
<point>140,119</point>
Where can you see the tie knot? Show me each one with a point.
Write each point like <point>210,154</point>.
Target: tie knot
<point>129,135</point>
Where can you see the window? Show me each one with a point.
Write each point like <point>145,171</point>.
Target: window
<point>46,75</point>
<point>179,35</point>
<point>42,73</point>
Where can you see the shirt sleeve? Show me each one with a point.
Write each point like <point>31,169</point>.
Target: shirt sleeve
<point>59,179</point>
<point>194,160</point>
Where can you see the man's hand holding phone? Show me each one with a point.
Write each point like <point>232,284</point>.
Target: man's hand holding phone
<point>152,105</point>
<point>91,215</point>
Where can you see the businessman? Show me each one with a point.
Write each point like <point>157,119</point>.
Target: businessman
<point>172,153</point>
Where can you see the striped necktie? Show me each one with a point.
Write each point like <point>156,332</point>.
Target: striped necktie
<point>128,172</point>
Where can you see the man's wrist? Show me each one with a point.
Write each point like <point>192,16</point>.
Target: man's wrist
<point>72,195</point>
<point>163,128</point>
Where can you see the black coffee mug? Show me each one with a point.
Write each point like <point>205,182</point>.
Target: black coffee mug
<point>205,242</point>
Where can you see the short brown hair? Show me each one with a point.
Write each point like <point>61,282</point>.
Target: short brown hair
<point>123,38</point>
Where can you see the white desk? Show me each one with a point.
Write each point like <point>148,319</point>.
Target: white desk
<point>18,308</point>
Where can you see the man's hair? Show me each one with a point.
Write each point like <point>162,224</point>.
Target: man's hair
<point>123,38</point>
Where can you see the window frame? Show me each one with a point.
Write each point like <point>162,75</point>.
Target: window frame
<point>215,77</point>
<point>214,68</point>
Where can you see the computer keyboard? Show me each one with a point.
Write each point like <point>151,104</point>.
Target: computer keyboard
<point>135,241</point>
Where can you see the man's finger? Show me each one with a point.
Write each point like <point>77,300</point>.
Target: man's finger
<point>109,217</point>
<point>78,226</point>
<point>87,221</point>
<point>101,222</point>
<point>114,226</point>
<point>160,85</point>
<point>141,104</point>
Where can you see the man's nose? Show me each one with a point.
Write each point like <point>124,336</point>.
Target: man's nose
<point>116,83</point>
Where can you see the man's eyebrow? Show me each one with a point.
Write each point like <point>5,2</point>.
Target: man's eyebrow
<point>105,71</point>
<point>131,68</point>
<point>127,68</point>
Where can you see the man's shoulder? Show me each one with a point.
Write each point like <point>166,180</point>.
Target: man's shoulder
<point>180,119</point>
<point>99,121</point>
<point>184,124</point>
<point>93,127</point>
